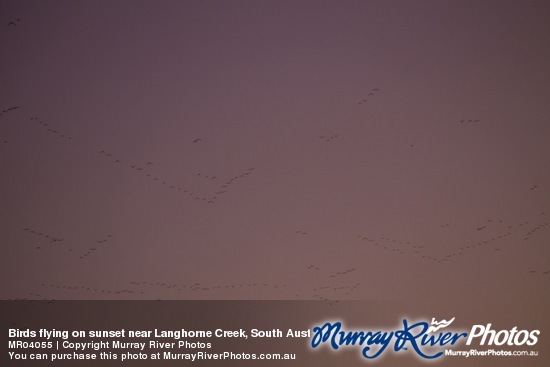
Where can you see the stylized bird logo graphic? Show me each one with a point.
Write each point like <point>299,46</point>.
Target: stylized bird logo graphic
<point>439,325</point>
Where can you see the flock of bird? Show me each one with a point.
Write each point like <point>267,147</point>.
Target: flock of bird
<point>327,139</point>
<point>47,239</point>
<point>371,94</point>
<point>505,231</point>
<point>7,110</point>
<point>534,230</point>
<point>208,198</point>
<point>326,292</point>
<point>144,288</point>
<point>207,177</point>
<point>14,22</point>
<point>49,129</point>
<point>146,172</point>
<point>88,289</point>
<point>405,247</point>
<point>91,250</point>
<point>51,239</point>
<point>392,245</point>
<point>343,272</point>
<point>333,294</point>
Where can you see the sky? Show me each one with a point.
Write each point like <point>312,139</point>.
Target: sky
<point>342,150</point>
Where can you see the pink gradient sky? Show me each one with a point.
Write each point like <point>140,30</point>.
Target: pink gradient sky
<point>404,202</point>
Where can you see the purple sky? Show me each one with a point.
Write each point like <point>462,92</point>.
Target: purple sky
<point>296,188</point>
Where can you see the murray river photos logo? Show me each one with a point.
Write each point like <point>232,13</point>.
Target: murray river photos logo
<point>426,340</point>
